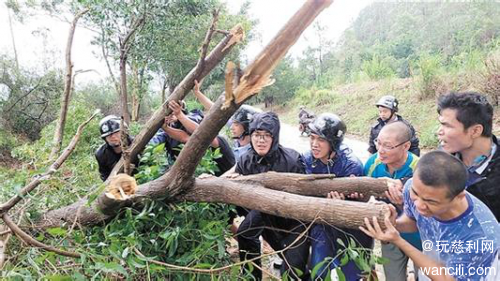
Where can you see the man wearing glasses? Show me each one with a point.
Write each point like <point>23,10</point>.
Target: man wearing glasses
<point>394,161</point>
<point>266,154</point>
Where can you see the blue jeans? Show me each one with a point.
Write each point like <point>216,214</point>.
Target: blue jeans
<point>324,245</point>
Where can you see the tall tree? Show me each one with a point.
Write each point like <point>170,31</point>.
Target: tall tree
<point>68,85</point>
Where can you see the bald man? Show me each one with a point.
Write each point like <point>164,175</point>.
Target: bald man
<point>393,160</point>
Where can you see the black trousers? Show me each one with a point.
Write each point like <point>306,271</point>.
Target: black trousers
<point>279,233</point>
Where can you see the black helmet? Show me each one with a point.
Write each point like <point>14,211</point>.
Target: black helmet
<point>109,125</point>
<point>244,116</point>
<point>389,102</point>
<point>330,127</point>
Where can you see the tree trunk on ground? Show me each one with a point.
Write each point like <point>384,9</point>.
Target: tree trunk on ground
<point>179,184</point>
<point>59,131</point>
<point>251,192</point>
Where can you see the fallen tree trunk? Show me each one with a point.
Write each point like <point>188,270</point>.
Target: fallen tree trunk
<point>249,192</point>
<point>318,185</point>
<point>343,213</point>
<point>179,182</point>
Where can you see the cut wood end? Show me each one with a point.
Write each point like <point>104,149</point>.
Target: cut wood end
<point>121,187</point>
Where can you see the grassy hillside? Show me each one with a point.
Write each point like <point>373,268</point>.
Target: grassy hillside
<point>354,103</point>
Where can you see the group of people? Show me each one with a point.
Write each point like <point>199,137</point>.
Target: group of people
<point>444,206</point>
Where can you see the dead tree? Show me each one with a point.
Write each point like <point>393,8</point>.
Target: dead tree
<point>179,184</point>
<point>59,132</point>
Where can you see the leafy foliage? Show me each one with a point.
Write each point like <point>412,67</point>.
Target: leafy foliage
<point>185,234</point>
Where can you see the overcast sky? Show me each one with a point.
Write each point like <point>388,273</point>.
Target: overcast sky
<point>272,15</point>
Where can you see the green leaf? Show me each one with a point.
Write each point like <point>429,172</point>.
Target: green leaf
<point>340,274</point>
<point>341,242</point>
<point>112,267</point>
<point>125,253</point>
<point>57,231</point>
<point>344,260</point>
<point>159,148</point>
<point>298,271</point>
<point>318,266</point>
<point>58,278</point>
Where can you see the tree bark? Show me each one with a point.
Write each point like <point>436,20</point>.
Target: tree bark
<point>138,91</point>
<point>59,131</point>
<point>124,48</point>
<point>318,185</point>
<point>197,73</point>
<point>252,192</point>
<point>340,213</point>
<point>123,86</point>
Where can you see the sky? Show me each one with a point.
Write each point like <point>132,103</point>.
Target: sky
<point>40,41</point>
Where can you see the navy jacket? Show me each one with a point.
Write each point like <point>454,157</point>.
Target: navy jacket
<point>344,164</point>
<point>378,127</point>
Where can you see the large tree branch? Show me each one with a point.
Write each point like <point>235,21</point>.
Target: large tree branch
<point>251,192</point>
<point>197,73</point>
<point>33,242</point>
<point>180,182</point>
<point>255,77</point>
<point>317,185</point>
<point>208,39</point>
<point>284,204</point>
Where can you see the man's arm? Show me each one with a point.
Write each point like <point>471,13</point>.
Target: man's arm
<point>176,134</point>
<point>204,100</point>
<point>189,124</point>
<point>405,224</point>
<point>390,234</point>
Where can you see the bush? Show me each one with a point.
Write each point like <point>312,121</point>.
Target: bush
<point>429,82</point>
<point>377,68</point>
<point>100,96</point>
<point>491,77</point>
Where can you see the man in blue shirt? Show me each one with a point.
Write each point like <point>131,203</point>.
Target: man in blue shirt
<point>328,155</point>
<point>459,233</point>
<point>393,160</point>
